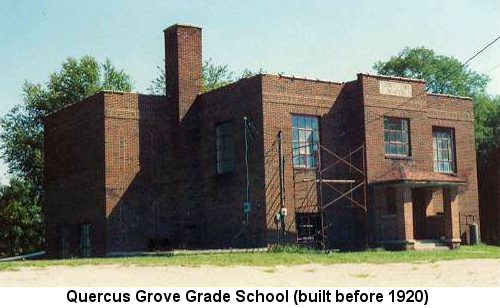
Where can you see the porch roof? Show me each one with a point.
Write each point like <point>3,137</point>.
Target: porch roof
<point>398,175</point>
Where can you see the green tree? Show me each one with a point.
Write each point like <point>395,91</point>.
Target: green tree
<point>21,133</point>
<point>21,228</point>
<point>214,76</point>
<point>22,128</point>
<point>157,86</point>
<point>445,75</point>
<point>248,73</point>
<point>487,119</point>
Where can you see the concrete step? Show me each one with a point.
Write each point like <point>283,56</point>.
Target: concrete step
<point>430,245</point>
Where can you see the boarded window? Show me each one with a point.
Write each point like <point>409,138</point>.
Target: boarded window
<point>225,148</point>
<point>305,139</point>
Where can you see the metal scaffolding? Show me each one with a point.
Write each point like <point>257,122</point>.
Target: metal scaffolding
<point>355,180</point>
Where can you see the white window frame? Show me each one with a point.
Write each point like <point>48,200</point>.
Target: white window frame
<point>305,140</point>
<point>443,149</point>
<point>397,139</point>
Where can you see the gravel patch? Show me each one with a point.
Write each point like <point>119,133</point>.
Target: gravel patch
<point>459,273</point>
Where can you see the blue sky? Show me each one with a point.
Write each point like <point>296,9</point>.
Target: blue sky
<point>318,39</point>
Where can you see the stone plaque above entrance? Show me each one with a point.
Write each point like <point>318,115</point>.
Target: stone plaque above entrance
<point>395,88</point>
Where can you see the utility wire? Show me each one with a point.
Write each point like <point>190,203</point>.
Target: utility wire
<point>445,77</point>
<point>246,163</point>
<point>247,193</point>
<point>272,148</point>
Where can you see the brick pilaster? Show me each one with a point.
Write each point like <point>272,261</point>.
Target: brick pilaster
<point>404,212</point>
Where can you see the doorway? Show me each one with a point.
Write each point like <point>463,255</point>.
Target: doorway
<point>420,204</point>
<point>428,217</point>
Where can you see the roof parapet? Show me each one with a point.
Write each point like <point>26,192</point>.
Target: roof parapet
<point>182,25</point>
<point>451,96</point>
<point>392,77</point>
<point>303,78</point>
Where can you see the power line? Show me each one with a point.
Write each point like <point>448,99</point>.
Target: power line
<point>246,164</point>
<point>272,148</point>
<point>445,77</point>
<point>484,48</point>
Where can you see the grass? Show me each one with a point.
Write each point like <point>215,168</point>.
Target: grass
<point>281,256</point>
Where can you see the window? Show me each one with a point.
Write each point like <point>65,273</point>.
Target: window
<point>305,139</point>
<point>225,148</point>
<point>396,137</point>
<point>308,228</point>
<point>443,149</point>
<point>63,232</point>
<point>391,201</point>
<point>84,242</point>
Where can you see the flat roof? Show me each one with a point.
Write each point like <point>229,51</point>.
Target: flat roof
<point>182,25</point>
<point>302,78</point>
<point>451,96</point>
<point>399,174</point>
<point>393,77</point>
<point>97,93</point>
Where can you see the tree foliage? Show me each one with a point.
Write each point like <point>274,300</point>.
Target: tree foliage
<point>22,128</point>
<point>214,76</point>
<point>447,75</point>
<point>21,228</point>
<point>487,120</point>
<point>21,134</point>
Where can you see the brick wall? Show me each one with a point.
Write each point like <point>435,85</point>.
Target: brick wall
<point>143,167</point>
<point>106,164</point>
<point>183,56</point>
<point>424,112</point>
<point>222,220</point>
<point>74,174</point>
<point>137,147</point>
<point>336,104</point>
<point>154,184</point>
<point>183,66</point>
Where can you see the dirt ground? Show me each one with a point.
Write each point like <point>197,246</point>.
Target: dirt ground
<point>482,272</point>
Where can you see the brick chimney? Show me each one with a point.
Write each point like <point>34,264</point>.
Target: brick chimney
<point>183,66</point>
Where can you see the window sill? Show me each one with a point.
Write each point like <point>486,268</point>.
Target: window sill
<point>305,168</point>
<point>448,173</point>
<point>396,157</point>
<point>388,216</point>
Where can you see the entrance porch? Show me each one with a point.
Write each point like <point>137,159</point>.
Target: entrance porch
<point>413,214</point>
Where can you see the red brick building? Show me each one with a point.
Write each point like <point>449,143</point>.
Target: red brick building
<point>373,161</point>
